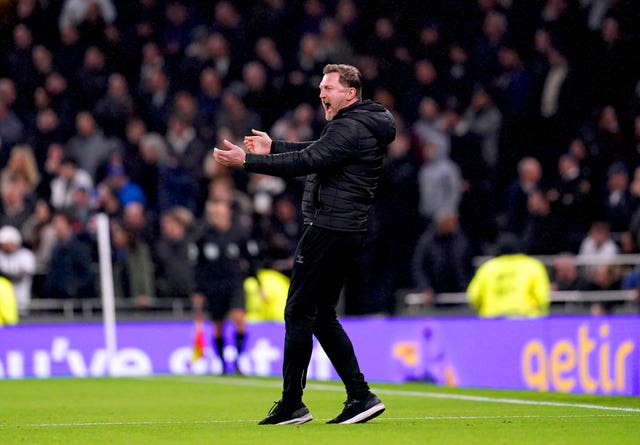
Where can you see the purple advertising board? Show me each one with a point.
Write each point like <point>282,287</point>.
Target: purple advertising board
<point>567,354</point>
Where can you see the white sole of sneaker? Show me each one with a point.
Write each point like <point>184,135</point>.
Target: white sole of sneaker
<point>364,416</point>
<point>298,420</point>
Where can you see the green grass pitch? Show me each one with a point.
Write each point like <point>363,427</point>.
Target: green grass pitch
<point>225,410</point>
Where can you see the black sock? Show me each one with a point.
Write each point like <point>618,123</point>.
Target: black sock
<point>219,342</point>
<point>240,339</point>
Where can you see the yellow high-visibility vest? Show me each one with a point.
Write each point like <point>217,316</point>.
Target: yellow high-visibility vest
<point>8,305</point>
<point>510,285</point>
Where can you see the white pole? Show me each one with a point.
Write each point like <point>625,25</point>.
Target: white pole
<point>106,289</point>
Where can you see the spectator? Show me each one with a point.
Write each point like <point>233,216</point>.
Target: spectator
<point>301,81</point>
<point>22,164</point>
<point>42,61</point>
<point>115,108</point>
<point>282,235</point>
<point>483,119</point>
<point>153,155</point>
<point>131,158</point>
<point>17,60</point>
<point>69,178</point>
<point>258,94</point>
<point>54,155</point>
<point>47,131</point>
<point>528,180</point>
<point>230,23</point>
<point>75,12</point>
<point>267,53</point>
<point>106,201</point>
<point>604,277</point>
<point>70,53</point>
<point>177,31</point>
<point>612,49</point>
<point>337,48</point>
<point>91,79</point>
<point>61,101</point>
<point>439,181</point>
<point>560,101</point>
<point>156,100</point>
<point>598,242</point>
<point>512,85</point>
<point>431,44</point>
<point>222,188</point>
<point>11,131</point>
<point>126,190</point>
<point>18,264</point>
<point>487,47</point>
<point>172,255</point>
<point>442,258</point>
<point>209,103</point>
<point>425,83</point>
<point>511,284</point>
<point>38,234</point>
<point>15,207</point>
<point>263,189</point>
<point>219,57</point>
<point>543,233</point>
<point>459,74</point>
<point>235,115</point>
<point>133,272</point>
<point>152,61</point>
<point>141,222</point>
<point>391,53</point>
<point>295,125</point>
<point>598,247</point>
<point>610,141</point>
<point>70,274</point>
<point>185,148</point>
<point>429,126</point>
<point>566,276</point>
<point>89,146</point>
<point>81,208</point>
<point>351,21</point>
<point>8,94</point>
<point>618,203</point>
<point>571,200</point>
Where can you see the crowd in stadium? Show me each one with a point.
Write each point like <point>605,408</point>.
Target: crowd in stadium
<point>513,116</point>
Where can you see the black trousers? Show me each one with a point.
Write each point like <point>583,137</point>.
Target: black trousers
<point>322,261</point>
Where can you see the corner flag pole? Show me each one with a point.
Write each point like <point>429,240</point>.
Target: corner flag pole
<point>106,289</point>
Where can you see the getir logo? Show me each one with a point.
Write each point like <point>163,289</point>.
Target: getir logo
<point>590,363</point>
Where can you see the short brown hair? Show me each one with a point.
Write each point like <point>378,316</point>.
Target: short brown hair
<point>349,76</point>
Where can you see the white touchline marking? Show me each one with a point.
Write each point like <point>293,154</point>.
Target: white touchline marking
<point>432,395</point>
<point>470,398</point>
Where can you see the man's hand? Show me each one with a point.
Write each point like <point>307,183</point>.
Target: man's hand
<point>233,156</point>
<point>259,143</point>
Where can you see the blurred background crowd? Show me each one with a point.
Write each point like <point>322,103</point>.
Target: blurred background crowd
<point>513,116</point>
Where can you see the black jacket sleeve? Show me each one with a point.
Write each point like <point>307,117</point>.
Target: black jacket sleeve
<point>337,145</point>
<point>286,147</point>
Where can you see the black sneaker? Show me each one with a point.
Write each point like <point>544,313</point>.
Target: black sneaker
<point>281,414</point>
<point>360,411</point>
